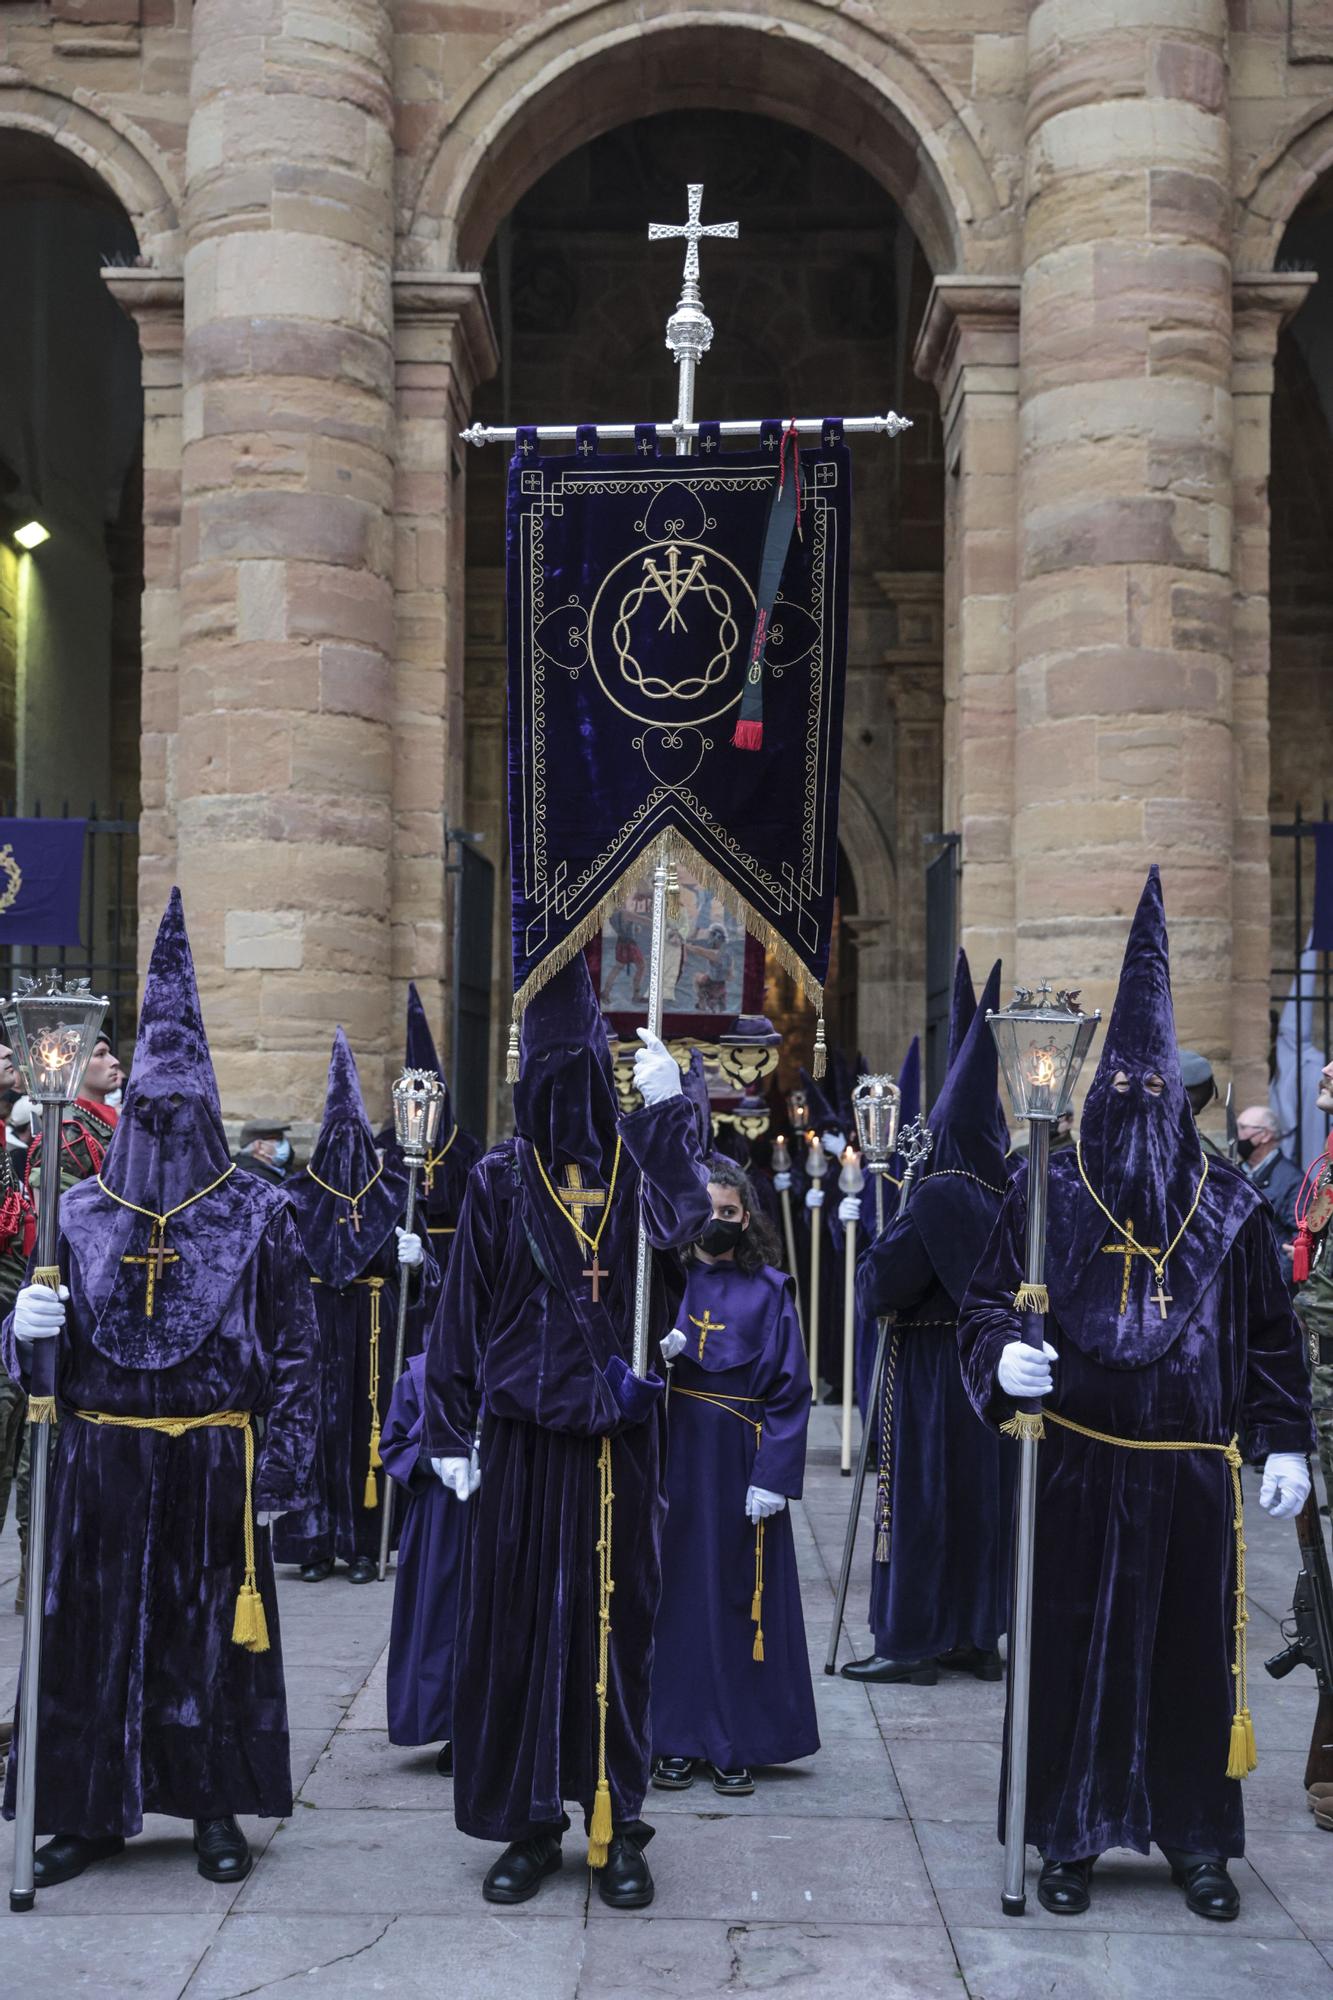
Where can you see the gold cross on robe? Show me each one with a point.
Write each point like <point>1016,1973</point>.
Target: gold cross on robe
<point>1129,1250</point>
<point>707,1325</point>
<point>578,1199</point>
<point>156,1257</point>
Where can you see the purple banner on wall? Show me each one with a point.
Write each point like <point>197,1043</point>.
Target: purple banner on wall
<point>41,880</point>
<point>1321,930</point>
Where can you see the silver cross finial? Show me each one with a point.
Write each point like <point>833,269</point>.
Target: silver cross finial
<point>692,230</point>
<point>689,331</point>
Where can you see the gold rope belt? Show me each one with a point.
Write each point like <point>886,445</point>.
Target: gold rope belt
<point>757,1600</point>
<point>370,1497</point>
<point>250,1626</point>
<point>1242,1755</point>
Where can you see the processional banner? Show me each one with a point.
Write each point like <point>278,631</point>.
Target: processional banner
<point>637,612</point>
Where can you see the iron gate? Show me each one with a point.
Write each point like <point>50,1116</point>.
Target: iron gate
<point>942,873</point>
<point>470,1048</point>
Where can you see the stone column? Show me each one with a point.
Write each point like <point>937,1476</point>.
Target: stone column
<point>1124,717</point>
<point>968,347</point>
<point>1261,308</point>
<point>155,304</point>
<point>284,762</point>
<point>444,346</point>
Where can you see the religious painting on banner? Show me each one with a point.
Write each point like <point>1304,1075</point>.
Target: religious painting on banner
<point>677,651</point>
<point>713,970</point>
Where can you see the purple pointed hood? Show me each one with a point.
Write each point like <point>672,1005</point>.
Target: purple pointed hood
<point>955,1204</point>
<point>909,1086</point>
<point>962,1009</point>
<point>168,1148</point>
<point>340,1240</point>
<point>420,1053</point>
<point>565,1097</point>
<point>1142,1156</point>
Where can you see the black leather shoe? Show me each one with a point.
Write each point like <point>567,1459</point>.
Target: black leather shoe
<point>68,1855</point>
<point>626,1882</point>
<point>444,1763</point>
<point>315,1572</point>
<point>673,1774</point>
<point>362,1569</point>
<point>737,1784</point>
<point>982,1666</point>
<point>1065,1887</point>
<point>522,1868</point>
<point>1209,1890</point>
<point>223,1850</point>
<point>921,1673</point>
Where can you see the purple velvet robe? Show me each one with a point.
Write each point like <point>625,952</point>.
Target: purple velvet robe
<point>518,1342</point>
<point>425,1593</point>
<point>711,1697</point>
<point>147,1706</point>
<point>1135,1561</point>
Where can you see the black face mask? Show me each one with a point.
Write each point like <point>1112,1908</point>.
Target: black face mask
<point>720,1236</point>
<point>1246,1146</point>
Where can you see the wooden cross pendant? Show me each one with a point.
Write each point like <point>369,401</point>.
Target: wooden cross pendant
<point>1161,1298</point>
<point>707,1325</point>
<point>354,1219</point>
<point>596,1273</point>
<point>156,1257</point>
<point>1129,1250</point>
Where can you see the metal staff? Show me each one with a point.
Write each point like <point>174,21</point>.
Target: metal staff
<point>913,1147</point>
<point>418,1101</point>
<point>53,1029</point>
<point>816,1166</point>
<point>1041,1049</point>
<point>851,1181</point>
<point>782,1165</point>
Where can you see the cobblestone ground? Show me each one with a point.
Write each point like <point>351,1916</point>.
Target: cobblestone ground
<point>873,1869</point>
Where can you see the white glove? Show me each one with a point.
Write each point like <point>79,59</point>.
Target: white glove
<point>834,1144</point>
<point>814,1197</point>
<point>1285,1486</point>
<point>410,1253</point>
<point>782,1183</point>
<point>266,1519</point>
<point>656,1071</point>
<point>1023,1373</point>
<point>673,1343</point>
<point>460,1476</point>
<point>849,1208</point>
<point>760,1503</point>
<point>39,1313</point>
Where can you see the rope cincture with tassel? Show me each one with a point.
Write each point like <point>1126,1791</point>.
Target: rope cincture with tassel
<point>371,1496</point>
<point>512,1053</point>
<point>884,1471</point>
<point>757,1601</point>
<point>42,1409</point>
<point>600,1829</point>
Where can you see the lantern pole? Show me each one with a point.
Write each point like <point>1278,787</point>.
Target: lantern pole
<point>850,1181</point>
<point>418,1098</point>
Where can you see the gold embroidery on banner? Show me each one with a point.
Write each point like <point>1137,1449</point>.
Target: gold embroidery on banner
<point>13,878</point>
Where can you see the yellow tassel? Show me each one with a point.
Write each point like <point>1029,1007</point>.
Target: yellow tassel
<point>371,1496</point>
<point>1251,1748</point>
<point>1025,1424</point>
<point>250,1627</point>
<point>375,1460</point>
<point>512,1055</point>
<point>759,1645</point>
<point>756,1610</point>
<point>1032,1299</point>
<point>1243,1757</point>
<point>42,1410</point>
<point>820,1063</point>
<point>599,1833</point>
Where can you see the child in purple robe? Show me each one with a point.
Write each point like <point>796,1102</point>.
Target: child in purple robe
<point>731,1673</point>
<point>425,1595</point>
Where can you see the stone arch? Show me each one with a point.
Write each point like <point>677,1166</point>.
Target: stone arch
<point>563,81</point>
<point>1281,180</point>
<point>122,157</point>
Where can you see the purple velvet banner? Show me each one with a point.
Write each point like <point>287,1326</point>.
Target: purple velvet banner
<point>41,880</point>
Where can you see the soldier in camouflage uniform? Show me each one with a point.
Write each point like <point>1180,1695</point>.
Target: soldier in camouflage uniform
<point>1314,1298</point>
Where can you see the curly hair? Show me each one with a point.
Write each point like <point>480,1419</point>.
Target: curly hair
<point>759,1243</point>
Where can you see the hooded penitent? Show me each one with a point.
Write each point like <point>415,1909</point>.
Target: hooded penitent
<point>565,1097</point>
<point>1141,1160</point>
<point>168,1158</point>
<point>955,1204</point>
<point>962,1009</point>
<point>442,1182</point>
<point>347,1202</point>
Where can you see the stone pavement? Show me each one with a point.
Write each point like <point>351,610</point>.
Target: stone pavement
<point>872,1870</point>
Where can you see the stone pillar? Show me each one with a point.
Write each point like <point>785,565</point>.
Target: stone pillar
<point>1261,308</point>
<point>968,347</point>
<point>1123,655</point>
<point>284,762</point>
<point>444,346</point>
<point>156,305</point>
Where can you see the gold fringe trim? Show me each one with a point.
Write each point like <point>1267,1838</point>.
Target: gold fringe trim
<point>42,1410</point>
<point>599,1831</point>
<point>674,846</point>
<point>1032,1299</point>
<point>1025,1424</point>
